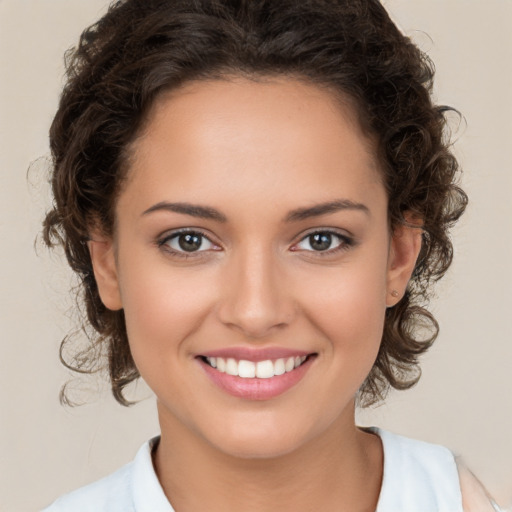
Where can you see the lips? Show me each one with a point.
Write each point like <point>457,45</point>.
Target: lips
<point>256,374</point>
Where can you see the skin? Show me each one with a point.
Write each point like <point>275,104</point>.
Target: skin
<point>475,498</point>
<point>256,151</point>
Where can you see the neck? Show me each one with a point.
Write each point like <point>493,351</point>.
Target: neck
<point>339,470</point>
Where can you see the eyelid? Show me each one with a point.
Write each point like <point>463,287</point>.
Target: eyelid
<point>163,239</point>
<point>347,240</point>
<point>343,233</point>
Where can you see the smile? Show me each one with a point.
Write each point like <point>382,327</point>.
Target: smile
<point>256,375</point>
<point>260,369</point>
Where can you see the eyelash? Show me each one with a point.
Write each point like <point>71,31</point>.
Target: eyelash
<point>163,243</point>
<point>345,244</point>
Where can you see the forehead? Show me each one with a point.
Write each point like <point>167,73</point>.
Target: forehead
<point>274,136</point>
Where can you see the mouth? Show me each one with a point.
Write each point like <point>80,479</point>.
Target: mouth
<point>265,369</point>
<point>253,375</point>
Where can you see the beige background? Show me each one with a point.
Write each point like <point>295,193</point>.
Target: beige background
<point>464,398</point>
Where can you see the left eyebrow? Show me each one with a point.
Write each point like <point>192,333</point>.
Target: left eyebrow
<point>325,208</point>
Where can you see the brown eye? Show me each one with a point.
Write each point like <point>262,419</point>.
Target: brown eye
<point>320,241</point>
<point>188,242</point>
<point>324,242</point>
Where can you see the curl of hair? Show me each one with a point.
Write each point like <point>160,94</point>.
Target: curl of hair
<point>141,48</point>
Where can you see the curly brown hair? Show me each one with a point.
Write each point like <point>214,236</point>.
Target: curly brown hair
<point>141,48</point>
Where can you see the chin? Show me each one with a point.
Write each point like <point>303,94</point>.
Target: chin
<point>258,440</point>
<point>260,447</point>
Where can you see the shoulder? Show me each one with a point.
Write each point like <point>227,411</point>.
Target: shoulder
<point>423,476</point>
<point>132,488</point>
<point>416,459</point>
<point>111,494</point>
<point>418,476</point>
<point>475,497</point>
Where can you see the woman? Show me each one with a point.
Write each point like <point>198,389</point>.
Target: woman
<point>257,197</point>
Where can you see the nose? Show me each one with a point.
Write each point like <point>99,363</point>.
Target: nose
<point>255,297</point>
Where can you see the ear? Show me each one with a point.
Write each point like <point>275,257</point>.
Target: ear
<point>403,252</point>
<point>103,259</point>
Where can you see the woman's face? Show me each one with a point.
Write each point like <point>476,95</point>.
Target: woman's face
<point>252,236</point>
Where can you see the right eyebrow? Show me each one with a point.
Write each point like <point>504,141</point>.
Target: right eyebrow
<point>203,212</point>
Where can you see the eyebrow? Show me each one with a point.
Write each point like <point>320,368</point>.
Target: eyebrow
<point>325,208</point>
<point>205,212</point>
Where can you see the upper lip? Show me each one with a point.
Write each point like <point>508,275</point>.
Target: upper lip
<point>255,354</point>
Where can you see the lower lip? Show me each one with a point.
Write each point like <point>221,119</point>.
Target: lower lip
<point>256,389</point>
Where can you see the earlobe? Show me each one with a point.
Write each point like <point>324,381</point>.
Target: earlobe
<point>404,250</point>
<point>103,260</point>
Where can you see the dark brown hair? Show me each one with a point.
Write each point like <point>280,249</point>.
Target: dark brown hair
<point>143,47</point>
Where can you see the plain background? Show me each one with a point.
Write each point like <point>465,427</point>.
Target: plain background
<point>464,398</point>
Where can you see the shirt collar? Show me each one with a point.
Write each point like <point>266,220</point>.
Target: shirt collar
<point>147,493</point>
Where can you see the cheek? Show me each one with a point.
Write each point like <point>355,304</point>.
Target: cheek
<point>162,305</point>
<point>348,304</point>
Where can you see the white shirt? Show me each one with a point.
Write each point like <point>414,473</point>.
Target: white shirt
<point>418,476</point>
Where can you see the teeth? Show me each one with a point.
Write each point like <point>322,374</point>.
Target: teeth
<point>279,367</point>
<point>246,369</point>
<point>231,367</point>
<point>221,364</point>
<point>262,369</point>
